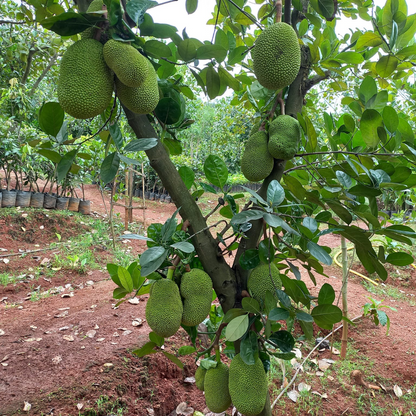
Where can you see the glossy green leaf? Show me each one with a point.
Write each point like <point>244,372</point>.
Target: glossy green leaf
<point>65,164</point>
<point>236,328</point>
<point>51,118</point>
<point>152,259</point>
<point>386,65</point>
<point>249,259</point>
<point>216,171</point>
<point>191,6</point>
<point>371,121</point>
<point>319,253</point>
<point>284,340</point>
<point>399,259</point>
<point>125,278</point>
<point>326,316</point>
<point>187,175</point>
<point>326,295</point>
<point>137,8</point>
<point>109,167</point>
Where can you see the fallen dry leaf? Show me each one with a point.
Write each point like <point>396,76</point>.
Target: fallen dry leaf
<point>69,338</point>
<point>137,322</point>
<point>108,365</point>
<point>184,410</point>
<point>27,406</point>
<point>80,406</point>
<point>100,339</point>
<point>319,374</point>
<point>397,391</point>
<point>91,333</point>
<point>33,339</point>
<point>304,387</point>
<point>323,365</point>
<point>57,359</point>
<point>189,380</point>
<point>134,301</point>
<point>293,395</point>
<point>1,332</point>
<point>6,261</point>
<point>335,351</point>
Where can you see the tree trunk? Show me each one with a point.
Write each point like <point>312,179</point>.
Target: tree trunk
<point>206,246</point>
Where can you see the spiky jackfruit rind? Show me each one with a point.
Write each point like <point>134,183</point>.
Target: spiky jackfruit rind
<point>200,378</point>
<point>276,56</point>
<point>247,386</point>
<point>196,290</point>
<point>259,281</point>
<point>284,137</point>
<point>257,163</point>
<point>85,84</point>
<point>164,308</point>
<point>129,65</point>
<point>143,99</point>
<point>217,396</point>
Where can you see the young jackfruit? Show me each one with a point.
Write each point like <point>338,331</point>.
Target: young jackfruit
<point>259,281</point>
<point>85,84</point>
<point>143,99</point>
<point>276,56</point>
<point>164,308</point>
<point>129,65</point>
<point>284,137</point>
<point>196,290</point>
<point>217,396</point>
<point>257,163</point>
<point>247,386</point>
<point>200,378</point>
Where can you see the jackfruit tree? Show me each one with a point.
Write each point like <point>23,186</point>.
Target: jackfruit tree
<point>321,168</point>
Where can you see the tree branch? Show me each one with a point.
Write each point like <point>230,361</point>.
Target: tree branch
<point>311,82</point>
<point>288,11</point>
<point>28,65</point>
<point>12,22</point>
<point>43,74</point>
<point>222,276</point>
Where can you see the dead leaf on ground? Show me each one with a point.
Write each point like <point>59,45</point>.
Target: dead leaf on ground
<point>33,339</point>
<point>27,406</point>
<point>189,380</point>
<point>91,333</point>
<point>184,410</point>
<point>324,365</point>
<point>293,395</point>
<point>5,358</point>
<point>397,391</point>
<point>57,359</point>
<point>323,396</point>
<point>137,322</point>
<point>100,339</point>
<point>80,406</point>
<point>335,351</point>
<point>134,301</point>
<point>69,338</point>
<point>61,315</point>
<point>1,332</point>
<point>304,387</point>
<point>319,373</point>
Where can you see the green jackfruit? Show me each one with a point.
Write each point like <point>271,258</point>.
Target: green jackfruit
<point>284,137</point>
<point>259,281</point>
<point>255,128</point>
<point>257,163</point>
<point>196,290</point>
<point>276,56</point>
<point>200,377</point>
<point>85,84</point>
<point>164,308</point>
<point>247,386</point>
<point>143,99</point>
<point>216,381</point>
<point>129,65</point>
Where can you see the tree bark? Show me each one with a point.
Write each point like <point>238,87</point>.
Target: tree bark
<point>206,247</point>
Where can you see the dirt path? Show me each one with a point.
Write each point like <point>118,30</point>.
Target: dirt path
<point>62,352</point>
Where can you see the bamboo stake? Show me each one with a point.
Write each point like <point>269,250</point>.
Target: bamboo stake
<point>144,200</point>
<point>344,291</point>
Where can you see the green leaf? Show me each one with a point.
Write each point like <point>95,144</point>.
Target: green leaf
<point>390,119</point>
<point>191,6</point>
<point>386,65</point>
<point>186,350</point>
<point>284,340</point>
<point>137,8</point>
<point>236,328</point>
<point>303,316</point>
<point>326,315</point>
<point>228,79</point>
<point>187,175</point>
<point>157,49</point>
<point>147,349</point>
<point>125,278</point>
<point>152,259</point>
<point>278,314</point>
<point>236,55</point>
<point>70,23</point>
<point>326,295</point>
<point>319,253</point>
<point>363,190</point>
<point>183,246</point>
<point>174,359</point>
<point>341,211</point>
<point>233,313</point>
<point>251,305</point>
<point>249,259</point>
<point>344,179</point>
<point>210,51</point>
<point>65,164</point>
<point>115,133</point>
<point>351,57</point>
<point>137,145</point>
<point>249,348</point>
<point>246,216</point>
<point>187,49</point>
<point>368,89</point>
<point>213,83</point>
<point>371,121</point>
<point>310,223</point>
<point>168,110</point>
<point>216,171</point>
<point>368,39</point>
<point>51,118</point>
<point>109,167</point>
<point>399,259</point>
<point>120,293</point>
<point>275,193</point>
<point>157,339</point>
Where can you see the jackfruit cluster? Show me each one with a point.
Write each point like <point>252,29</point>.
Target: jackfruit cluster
<point>217,395</point>
<point>247,386</point>
<point>284,137</point>
<point>143,99</point>
<point>129,65</point>
<point>86,78</point>
<point>263,279</point>
<point>196,291</point>
<point>164,308</point>
<point>262,148</point>
<point>257,163</point>
<point>276,56</point>
<point>85,84</point>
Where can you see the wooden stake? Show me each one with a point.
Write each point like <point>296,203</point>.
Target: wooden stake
<point>344,338</point>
